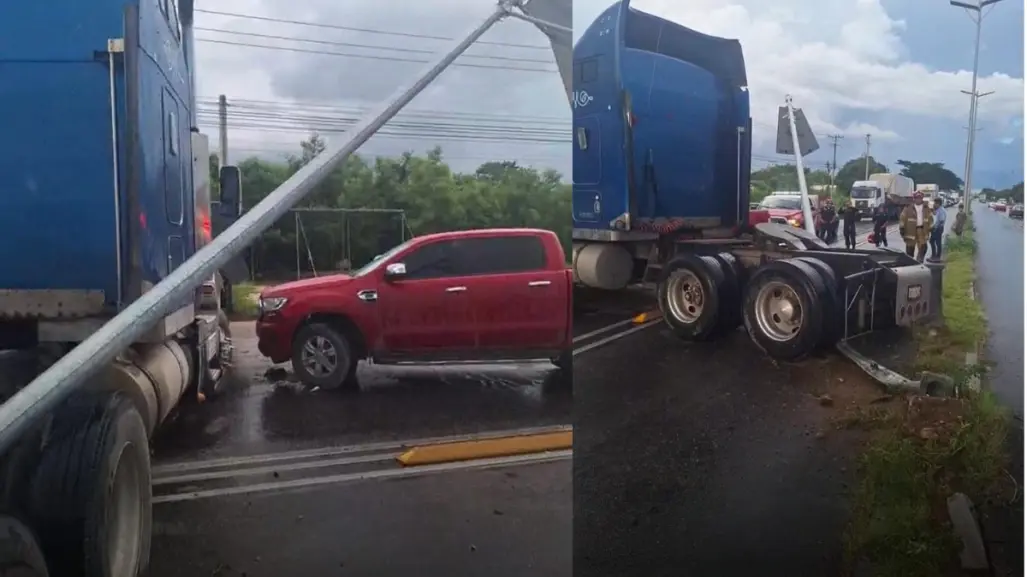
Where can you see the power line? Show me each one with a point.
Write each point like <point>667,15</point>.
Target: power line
<point>386,133</point>
<point>368,56</point>
<point>367,46</point>
<point>421,125</point>
<point>364,30</point>
<point>334,108</point>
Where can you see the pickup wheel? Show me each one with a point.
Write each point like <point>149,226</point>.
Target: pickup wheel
<point>322,357</point>
<point>90,496</point>
<point>690,295</point>
<point>20,555</point>
<point>783,310</point>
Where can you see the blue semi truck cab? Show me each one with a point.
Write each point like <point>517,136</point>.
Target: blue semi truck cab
<point>662,149</point>
<point>105,191</point>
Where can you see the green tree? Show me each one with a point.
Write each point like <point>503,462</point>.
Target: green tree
<point>854,170</point>
<point>432,196</point>
<point>930,173</point>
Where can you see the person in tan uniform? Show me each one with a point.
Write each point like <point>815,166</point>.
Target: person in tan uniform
<point>916,221</point>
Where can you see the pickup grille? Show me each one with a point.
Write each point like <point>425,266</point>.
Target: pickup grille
<point>861,204</point>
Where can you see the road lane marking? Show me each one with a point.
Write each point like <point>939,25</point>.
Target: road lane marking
<point>600,331</point>
<point>486,448</point>
<point>614,337</point>
<point>409,472</point>
<point>166,469</point>
<point>271,470</point>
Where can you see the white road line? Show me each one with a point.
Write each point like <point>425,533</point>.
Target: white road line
<point>267,458</point>
<point>611,338</point>
<point>285,468</point>
<point>312,482</point>
<point>605,329</point>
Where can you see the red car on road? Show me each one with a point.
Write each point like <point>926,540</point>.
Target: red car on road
<point>479,295</point>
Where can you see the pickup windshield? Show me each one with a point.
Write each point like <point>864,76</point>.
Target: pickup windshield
<point>782,202</point>
<point>864,192</point>
<point>380,259</point>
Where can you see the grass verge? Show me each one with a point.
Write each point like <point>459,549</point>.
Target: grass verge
<point>244,301</point>
<point>922,451</point>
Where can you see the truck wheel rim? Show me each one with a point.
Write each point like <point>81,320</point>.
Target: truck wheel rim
<point>319,356</point>
<point>126,515</point>
<point>685,297</point>
<point>778,311</point>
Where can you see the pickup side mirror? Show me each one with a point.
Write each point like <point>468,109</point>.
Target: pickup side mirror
<point>230,181</point>
<point>395,271</point>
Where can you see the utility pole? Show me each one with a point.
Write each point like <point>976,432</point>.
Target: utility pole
<point>833,165</point>
<point>223,130</point>
<point>866,170</point>
<point>976,12</point>
<point>971,138</point>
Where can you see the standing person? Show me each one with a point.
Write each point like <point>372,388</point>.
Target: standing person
<point>960,222</point>
<point>849,217</point>
<point>880,226</point>
<point>938,230</point>
<point>916,222</point>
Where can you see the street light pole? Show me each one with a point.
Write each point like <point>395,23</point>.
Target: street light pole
<point>978,11</point>
<point>975,98</point>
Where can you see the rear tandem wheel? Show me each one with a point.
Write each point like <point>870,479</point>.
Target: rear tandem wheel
<point>784,309</point>
<point>699,296</point>
<point>90,495</point>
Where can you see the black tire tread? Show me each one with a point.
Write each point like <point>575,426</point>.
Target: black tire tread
<point>64,487</point>
<point>20,554</point>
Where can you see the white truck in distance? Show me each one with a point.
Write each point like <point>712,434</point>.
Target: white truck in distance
<point>892,191</point>
<point>930,191</point>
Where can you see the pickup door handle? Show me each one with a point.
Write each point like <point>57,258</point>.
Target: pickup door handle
<point>456,289</point>
<point>540,283</point>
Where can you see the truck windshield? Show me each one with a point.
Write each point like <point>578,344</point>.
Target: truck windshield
<point>864,192</point>
<point>785,202</point>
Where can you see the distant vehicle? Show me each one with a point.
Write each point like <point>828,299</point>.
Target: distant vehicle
<point>1016,211</point>
<point>1000,206</point>
<point>786,208</point>
<point>480,295</point>
<point>892,191</point>
<point>930,191</point>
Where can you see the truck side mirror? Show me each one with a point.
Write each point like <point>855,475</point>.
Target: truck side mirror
<point>230,181</point>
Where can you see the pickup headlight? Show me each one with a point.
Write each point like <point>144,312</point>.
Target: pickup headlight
<point>795,222</point>
<point>271,304</point>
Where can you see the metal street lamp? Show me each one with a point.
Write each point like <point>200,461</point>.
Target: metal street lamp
<point>971,141</point>
<point>978,11</point>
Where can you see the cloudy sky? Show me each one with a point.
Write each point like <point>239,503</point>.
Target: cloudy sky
<point>891,68</point>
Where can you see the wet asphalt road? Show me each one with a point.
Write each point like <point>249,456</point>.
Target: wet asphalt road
<point>1000,285</point>
<point>707,459</point>
<point>272,480</point>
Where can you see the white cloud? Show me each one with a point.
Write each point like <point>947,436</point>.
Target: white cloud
<point>837,58</point>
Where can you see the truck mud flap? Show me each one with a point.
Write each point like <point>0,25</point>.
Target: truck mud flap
<point>912,294</point>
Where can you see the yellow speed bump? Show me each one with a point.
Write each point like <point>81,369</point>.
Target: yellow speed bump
<point>486,448</point>
<point>646,317</point>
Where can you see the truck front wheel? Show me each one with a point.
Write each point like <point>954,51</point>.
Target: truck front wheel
<point>90,497</point>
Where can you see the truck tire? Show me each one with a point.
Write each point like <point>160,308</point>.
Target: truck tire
<point>783,310</point>
<point>833,309</point>
<point>690,297</point>
<point>91,490</point>
<point>20,554</point>
<point>734,282</point>
<point>334,368</point>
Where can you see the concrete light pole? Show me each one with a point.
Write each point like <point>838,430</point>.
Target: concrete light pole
<point>977,12</point>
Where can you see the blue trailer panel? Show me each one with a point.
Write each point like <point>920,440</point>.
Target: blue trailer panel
<point>75,215</point>
<point>661,117</point>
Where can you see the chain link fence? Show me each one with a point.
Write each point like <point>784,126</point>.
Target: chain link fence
<point>311,242</point>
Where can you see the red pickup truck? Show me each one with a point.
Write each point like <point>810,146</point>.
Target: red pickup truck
<point>478,295</point>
